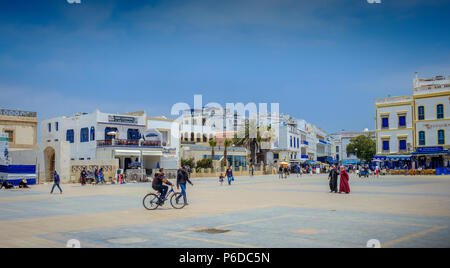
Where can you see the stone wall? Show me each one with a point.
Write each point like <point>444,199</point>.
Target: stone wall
<point>215,172</point>
<point>109,166</point>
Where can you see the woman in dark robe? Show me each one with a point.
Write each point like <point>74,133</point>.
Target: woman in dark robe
<point>344,187</point>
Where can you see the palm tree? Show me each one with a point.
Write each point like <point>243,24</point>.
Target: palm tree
<point>227,143</point>
<point>246,137</point>
<point>213,144</point>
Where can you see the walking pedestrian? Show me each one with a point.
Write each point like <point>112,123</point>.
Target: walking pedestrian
<point>56,181</point>
<point>182,178</point>
<point>229,174</point>
<point>96,175</point>
<point>83,176</point>
<point>344,186</point>
<point>101,176</point>
<point>333,177</point>
<point>221,178</point>
<point>286,172</point>
<point>280,172</point>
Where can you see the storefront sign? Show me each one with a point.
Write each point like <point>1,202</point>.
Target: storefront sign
<point>122,119</point>
<point>437,149</point>
<point>170,152</point>
<point>17,113</point>
<point>443,125</point>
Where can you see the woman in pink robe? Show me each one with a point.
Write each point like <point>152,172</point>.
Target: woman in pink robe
<point>343,186</point>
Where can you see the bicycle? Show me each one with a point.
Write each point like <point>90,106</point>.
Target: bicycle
<point>153,200</point>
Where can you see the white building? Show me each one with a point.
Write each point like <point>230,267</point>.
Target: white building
<point>128,137</point>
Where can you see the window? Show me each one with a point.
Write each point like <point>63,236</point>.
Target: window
<point>337,149</point>
<point>84,135</point>
<point>421,138</point>
<point>440,111</point>
<point>133,134</point>
<point>402,145</point>
<point>92,133</point>
<point>386,145</point>
<point>402,121</point>
<point>295,145</point>
<point>49,127</point>
<point>57,126</point>
<point>205,138</point>
<point>385,122</point>
<point>70,135</point>
<point>10,135</point>
<point>421,113</point>
<point>441,136</point>
<point>291,141</point>
<point>110,130</point>
<point>298,142</point>
<point>165,137</point>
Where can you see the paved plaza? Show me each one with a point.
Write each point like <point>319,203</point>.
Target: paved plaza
<point>263,211</point>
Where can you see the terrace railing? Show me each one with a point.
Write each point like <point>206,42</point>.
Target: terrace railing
<point>128,143</point>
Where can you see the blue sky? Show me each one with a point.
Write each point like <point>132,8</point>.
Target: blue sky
<point>324,61</point>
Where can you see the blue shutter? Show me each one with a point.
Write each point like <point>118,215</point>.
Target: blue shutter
<point>421,112</point>
<point>402,144</point>
<point>70,135</point>
<point>84,135</point>
<point>402,121</point>
<point>421,137</point>
<point>441,136</point>
<point>440,111</point>
<point>385,122</point>
<point>385,145</point>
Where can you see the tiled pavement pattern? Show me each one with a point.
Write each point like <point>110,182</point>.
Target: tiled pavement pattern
<point>262,211</point>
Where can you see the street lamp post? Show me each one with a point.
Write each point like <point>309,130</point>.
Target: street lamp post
<point>141,140</point>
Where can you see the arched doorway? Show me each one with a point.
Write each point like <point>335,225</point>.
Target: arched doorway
<point>49,158</point>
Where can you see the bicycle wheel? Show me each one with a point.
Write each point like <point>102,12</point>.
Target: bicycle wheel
<point>151,201</point>
<point>177,201</point>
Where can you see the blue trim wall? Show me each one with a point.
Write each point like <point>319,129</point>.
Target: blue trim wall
<point>18,169</point>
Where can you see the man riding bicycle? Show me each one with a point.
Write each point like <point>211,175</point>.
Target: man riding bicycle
<point>158,184</point>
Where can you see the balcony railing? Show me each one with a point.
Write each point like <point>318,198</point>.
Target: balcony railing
<point>128,143</point>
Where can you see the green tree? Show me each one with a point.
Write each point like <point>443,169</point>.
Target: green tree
<point>188,162</point>
<point>212,144</point>
<point>204,163</point>
<point>227,143</point>
<point>363,147</point>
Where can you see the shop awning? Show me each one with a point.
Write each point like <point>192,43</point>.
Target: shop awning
<point>137,153</point>
<point>152,153</point>
<point>351,162</point>
<point>393,157</point>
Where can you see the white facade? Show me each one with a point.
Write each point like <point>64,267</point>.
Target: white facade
<point>127,137</point>
<point>97,124</point>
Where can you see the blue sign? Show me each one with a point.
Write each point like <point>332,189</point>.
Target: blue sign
<point>437,149</point>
